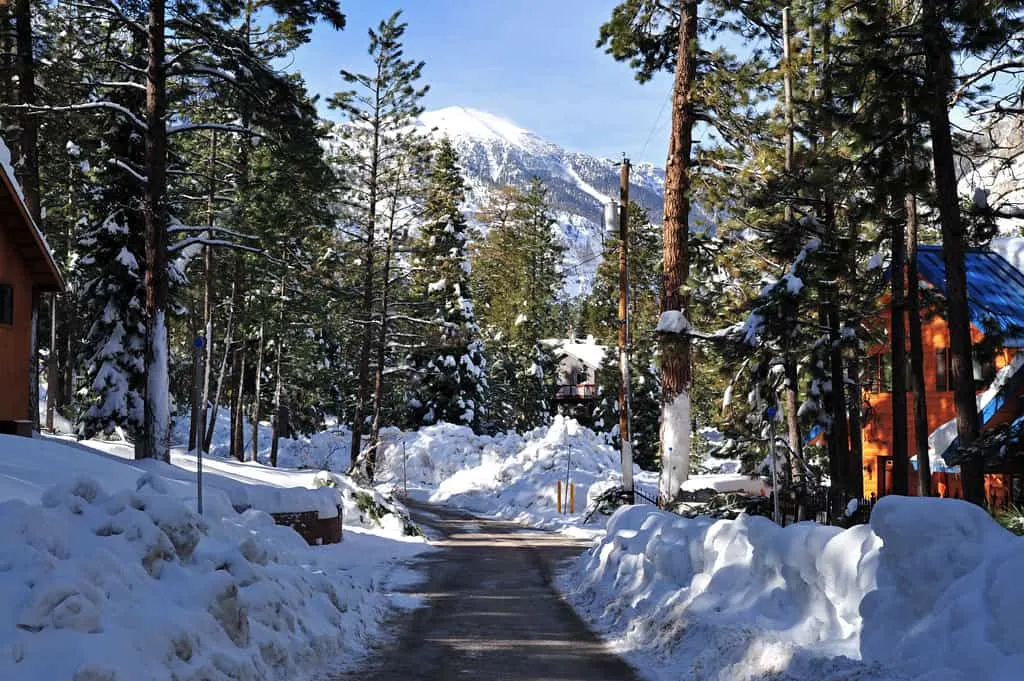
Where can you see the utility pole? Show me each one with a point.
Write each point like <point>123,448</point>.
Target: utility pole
<point>625,393</point>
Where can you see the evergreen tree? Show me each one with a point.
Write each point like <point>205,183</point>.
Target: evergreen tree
<point>517,277</point>
<point>600,318</point>
<point>449,373</point>
<point>377,151</point>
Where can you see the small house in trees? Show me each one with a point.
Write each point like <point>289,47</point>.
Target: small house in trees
<point>27,268</point>
<point>578,364</point>
<point>995,292</point>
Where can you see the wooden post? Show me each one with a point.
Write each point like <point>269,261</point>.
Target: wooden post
<point>572,498</point>
<point>559,496</point>
<point>625,393</point>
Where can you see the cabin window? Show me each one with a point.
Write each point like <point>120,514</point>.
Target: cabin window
<point>6,304</point>
<point>943,369</point>
<point>878,378</point>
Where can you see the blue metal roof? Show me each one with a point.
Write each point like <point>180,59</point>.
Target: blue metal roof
<point>995,290</point>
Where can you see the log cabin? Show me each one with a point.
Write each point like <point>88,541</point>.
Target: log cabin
<point>27,269</point>
<point>995,290</point>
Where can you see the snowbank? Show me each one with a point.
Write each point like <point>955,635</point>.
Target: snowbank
<point>107,574</point>
<point>930,590</point>
<point>29,466</point>
<point>508,476</point>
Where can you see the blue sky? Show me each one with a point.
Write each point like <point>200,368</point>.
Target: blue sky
<point>530,61</point>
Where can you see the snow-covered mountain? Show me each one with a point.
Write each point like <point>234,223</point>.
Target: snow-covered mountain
<point>495,152</point>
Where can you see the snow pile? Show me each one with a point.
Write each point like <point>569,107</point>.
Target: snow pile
<point>508,476</point>
<point>930,590</point>
<point>132,585</point>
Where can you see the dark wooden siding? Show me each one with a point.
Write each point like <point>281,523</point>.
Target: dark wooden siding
<point>15,338</point>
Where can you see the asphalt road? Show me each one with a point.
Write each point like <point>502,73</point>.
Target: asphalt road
<point>490,612</point>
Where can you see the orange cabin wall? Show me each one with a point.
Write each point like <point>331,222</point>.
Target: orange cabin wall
<point>15,339</point>
<point>877,430</point>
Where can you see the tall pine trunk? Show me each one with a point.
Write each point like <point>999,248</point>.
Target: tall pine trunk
<point>939,69</point>
<point>238,401</point>
<point>28,174</point>
<point>675,363</point>
<point>276,432</point>
<point>366,345</point>
<point>228,342</point>
<point>924,469</point>
<point>898,340</point>
<point>156,429</point>
<point>855,481</point>
<point>255,435</point>
<point>208,294</point>
<point>793,472</point>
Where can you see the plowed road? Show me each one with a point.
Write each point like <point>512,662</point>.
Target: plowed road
<point>490,612</point>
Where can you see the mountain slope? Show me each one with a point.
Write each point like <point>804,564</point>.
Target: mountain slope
<point>495,152</point>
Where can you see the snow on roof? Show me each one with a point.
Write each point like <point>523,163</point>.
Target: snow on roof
<point>9,179</point>
<point>943,440</point>
<point>587,351</point>
<point>1012,250</point>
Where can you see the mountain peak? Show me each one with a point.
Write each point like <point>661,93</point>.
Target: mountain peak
<point>459,122</point>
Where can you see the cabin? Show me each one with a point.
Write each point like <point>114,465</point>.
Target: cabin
<point>27,269</point>
<point>995,291</point>
<point>578,363</point>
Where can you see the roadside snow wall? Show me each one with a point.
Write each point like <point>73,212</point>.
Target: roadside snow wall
<point>930,591</point>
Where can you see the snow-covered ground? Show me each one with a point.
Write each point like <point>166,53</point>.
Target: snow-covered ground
<point>508,476</point>
<point>108,574</point>
<point>929,591</point>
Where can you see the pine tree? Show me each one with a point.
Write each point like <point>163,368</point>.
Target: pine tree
<point>710,87</point>
<point>449,373</point>
<point>112,266</point>
<point>517,277</point>
<point>375,155</point>
<point>600,318</point>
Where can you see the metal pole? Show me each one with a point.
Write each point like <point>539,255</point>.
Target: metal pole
<point>625,421</point>
<point>405,473</point>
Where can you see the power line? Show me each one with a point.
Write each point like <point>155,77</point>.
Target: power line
<point>654,127</point>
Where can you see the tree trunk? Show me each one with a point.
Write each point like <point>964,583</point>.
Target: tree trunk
<point>382,337</point>
<point>156,429</point>
<point>195,430</point>
<point>363,388</point>
<point>215,407</point>
<point>856,471</point>
<point>256,399</point>
<point>924,469</point>
<point>675,363</point>
<point>28,174</point>
<point>938,67</point>
<point>898,340</point>
<point>839,435</point>
<point>278,381</point>
<point>53,382</point>
<point>792,469</point>
<point>208,293</point>
<point>237,401</point>
<point>278,387</point>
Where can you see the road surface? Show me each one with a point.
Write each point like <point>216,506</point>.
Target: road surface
<point>490,612</point>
